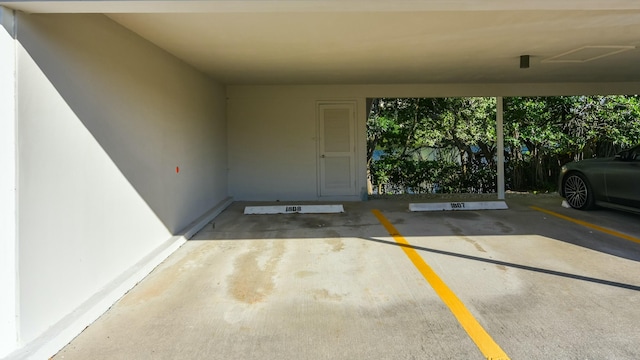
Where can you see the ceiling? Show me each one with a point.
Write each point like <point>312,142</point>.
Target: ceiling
<point>386,41</point>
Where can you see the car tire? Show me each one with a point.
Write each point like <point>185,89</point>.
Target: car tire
<point>577,191</point>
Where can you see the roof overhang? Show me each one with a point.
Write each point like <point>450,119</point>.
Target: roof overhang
<point>385,41</point>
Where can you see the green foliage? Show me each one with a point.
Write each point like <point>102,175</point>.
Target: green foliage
<point>449,144</point>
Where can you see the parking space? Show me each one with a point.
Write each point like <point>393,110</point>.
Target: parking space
<point>345,286</point>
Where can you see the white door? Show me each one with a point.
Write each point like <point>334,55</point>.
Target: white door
<point>337,149</point>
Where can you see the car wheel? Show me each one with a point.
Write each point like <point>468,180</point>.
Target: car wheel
<point>577,192</point>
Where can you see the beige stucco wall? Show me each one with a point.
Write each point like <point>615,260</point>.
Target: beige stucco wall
<point>105,118</point>
<point>273,150</point>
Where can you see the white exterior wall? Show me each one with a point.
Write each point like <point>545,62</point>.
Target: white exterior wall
<point>8,335</point>
<point>104,120</point>
<point>273,150</point>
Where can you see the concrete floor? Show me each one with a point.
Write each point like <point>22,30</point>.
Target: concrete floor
<point>339,287</point>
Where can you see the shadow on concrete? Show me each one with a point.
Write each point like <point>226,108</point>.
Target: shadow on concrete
<point>358,220</point>
<point>512,265</point>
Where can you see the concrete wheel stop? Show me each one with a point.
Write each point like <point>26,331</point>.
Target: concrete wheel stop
<point>293,209</point>
<point>459,206</point>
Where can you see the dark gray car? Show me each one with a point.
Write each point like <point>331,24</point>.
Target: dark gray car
<point>609,182</point>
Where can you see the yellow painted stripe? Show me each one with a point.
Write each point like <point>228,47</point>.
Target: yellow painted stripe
<point>589,225</point>
<point>476,332</point>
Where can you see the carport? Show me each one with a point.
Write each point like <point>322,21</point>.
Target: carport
<point>128,125</point>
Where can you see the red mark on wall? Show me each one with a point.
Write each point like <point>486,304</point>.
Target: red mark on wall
<point>177,169</point>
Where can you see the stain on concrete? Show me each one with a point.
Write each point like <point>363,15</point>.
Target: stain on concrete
<point>329,233</point>
<point>462,214</point>
<point>458,232</point>
<point>313,222</point>
<point>503,228</point>
<point>250,282</point>
<point>474,243</point>
<point>305,274</point>
<point>324,294</point>
<point>336,244</point>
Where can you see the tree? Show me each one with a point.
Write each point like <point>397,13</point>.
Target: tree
<point>416,137</point>
<point>449,144</point>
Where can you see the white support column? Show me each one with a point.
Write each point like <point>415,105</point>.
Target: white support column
<point>8,210</point>
<point>500,146</point>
